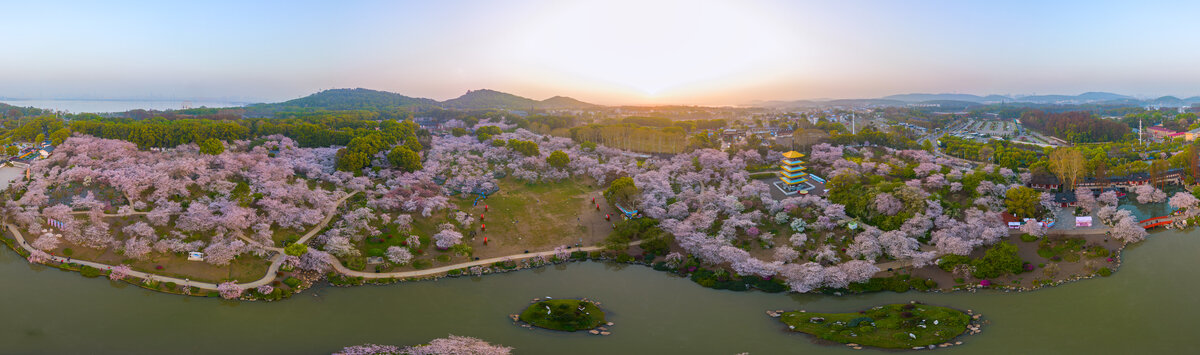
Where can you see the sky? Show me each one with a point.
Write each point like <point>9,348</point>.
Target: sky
<point>607,52</point>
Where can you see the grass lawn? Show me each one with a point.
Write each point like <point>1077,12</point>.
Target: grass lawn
<point>565,315</point>
<point>1059,249</point>
<point>893,326</point>
<point>530,215</point>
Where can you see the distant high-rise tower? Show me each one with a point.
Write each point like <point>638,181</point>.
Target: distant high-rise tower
<point>1139,131</point>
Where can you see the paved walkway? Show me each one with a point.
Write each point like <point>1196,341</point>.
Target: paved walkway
<point>277,260</point>
<point>438,270</point>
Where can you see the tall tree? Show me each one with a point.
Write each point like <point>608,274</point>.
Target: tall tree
<point>1067,164</point>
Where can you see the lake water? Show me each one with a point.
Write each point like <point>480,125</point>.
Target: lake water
<point>101,106</point>
<point>1148,306</point>
<point>8,174</point>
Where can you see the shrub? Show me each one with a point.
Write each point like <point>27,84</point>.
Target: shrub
<point>170,285</point>
<point>443,258</point>
<point>356,263</point>
<point>1000,259</point>
<point>854,323</point>
<point>1028,238</point>
<point>375,252</point>
<point>68,251</point>
<point>948,262</point>
<point>292,282</point>
<point>88,271</point>
<point>295,249</point>
<point>1104,271</point>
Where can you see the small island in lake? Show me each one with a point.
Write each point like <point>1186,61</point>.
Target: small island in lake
<point>564,314</point>
<point>894,326</point>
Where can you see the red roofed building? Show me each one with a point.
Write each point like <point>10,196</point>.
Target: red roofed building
<point>1159,132</point>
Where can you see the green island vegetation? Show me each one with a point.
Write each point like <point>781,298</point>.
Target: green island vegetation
<point>563,314</point>
<point>893,326</point>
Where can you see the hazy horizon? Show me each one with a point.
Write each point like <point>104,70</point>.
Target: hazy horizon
<point>612,53</point>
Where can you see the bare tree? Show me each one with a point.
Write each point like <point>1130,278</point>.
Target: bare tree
<point>1067,164</point>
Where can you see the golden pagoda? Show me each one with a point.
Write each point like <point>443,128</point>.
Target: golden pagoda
<point>792,170</point>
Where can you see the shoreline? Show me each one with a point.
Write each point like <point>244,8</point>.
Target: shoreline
<point>340,276</point>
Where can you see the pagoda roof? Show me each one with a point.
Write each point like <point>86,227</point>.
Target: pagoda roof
<point>793,174</point>
<point>793,155</point>
<point>790,181</point>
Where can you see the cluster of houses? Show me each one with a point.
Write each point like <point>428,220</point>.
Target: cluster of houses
<point>1117,183</point>
<point>31,152</point>
<point>1161,133</point>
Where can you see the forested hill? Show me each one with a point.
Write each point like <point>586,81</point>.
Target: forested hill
<point>346,99</point>
<point>10,111</point>
<point>484,99</point>
<point>562,102</point>
<point>492,99</point>
<point>373,100</point>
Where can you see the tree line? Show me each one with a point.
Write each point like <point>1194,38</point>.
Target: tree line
<point>1075,126</point>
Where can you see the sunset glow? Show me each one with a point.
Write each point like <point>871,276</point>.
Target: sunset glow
<point>610,52</point>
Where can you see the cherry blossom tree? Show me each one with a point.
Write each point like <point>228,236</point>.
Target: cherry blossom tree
<point>119,272</point>
<point>316,261</point>
<point>803,277</point>
<point>229,290</point>
<point>457,345</point>
<point>1086,199</point>
<point>1149,194</point>
<point>137,248</point>
<point>399,255</point>
<point>561,253</point>
<point>139,229</point>
<point>857,271</point>
<point>1108,198</point>
<point>447,238</point>
<point>47,241</point>
<point>38,256</point>
<point>786,254</point>
<point>265,289</point>
<point>887,204</point>
<point>1128,230</point>
<point>1184,201</point>
<point>826,153</point>
<point>865,246</point>
<point>1033,228</point>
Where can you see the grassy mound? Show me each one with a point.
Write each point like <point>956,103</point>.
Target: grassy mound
<point>566,315</point>
<point>894,326</point>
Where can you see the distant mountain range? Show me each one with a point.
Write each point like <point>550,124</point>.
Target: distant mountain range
<point>355,99</point>
<point>967,100</point>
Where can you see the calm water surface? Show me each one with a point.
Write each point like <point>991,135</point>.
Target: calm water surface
<point>1150,305</point>
<point>101,106</point>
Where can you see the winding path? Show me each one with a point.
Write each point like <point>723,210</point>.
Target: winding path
<point>277,260</point>
<point>438,270</point>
